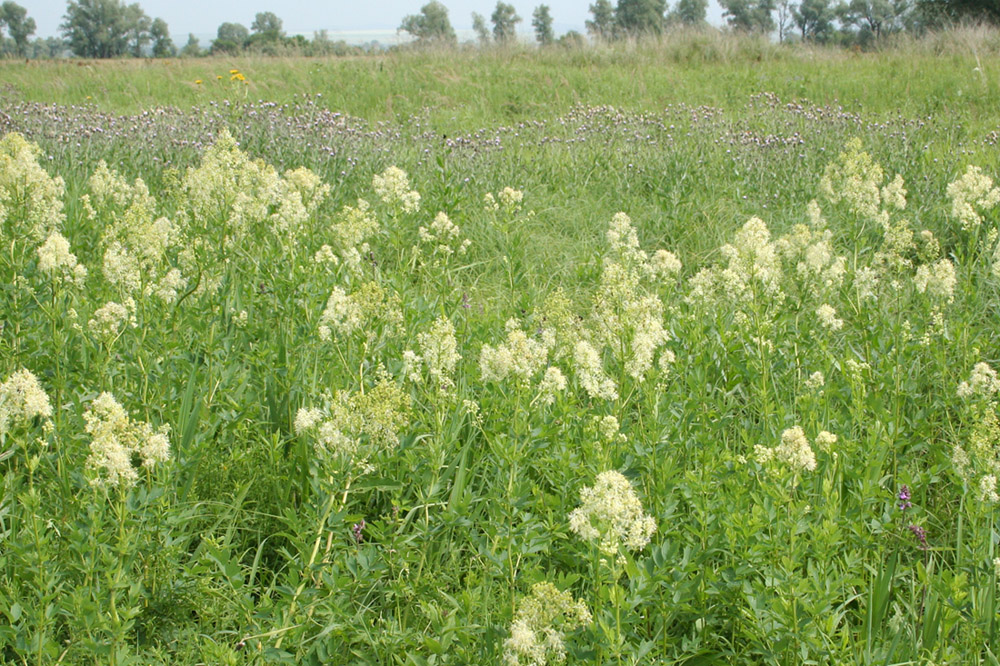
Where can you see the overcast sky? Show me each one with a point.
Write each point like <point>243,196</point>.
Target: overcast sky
<point>306,16</point>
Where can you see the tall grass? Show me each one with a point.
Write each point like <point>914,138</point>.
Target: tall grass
<point>494,86</point>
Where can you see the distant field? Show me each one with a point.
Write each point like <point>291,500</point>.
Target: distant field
<point>679,355</point>
<point>473,89</point>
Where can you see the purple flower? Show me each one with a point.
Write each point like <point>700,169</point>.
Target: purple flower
<point>921,535</point>
<point>904,498</point>
<point>356,531</point>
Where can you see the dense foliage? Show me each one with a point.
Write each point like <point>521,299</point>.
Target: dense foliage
<point>602,384</point>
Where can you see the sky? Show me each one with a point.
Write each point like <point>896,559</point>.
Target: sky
<point>345,20</point>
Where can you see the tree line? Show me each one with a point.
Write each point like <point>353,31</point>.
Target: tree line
<point>846,22</point>
<point>114,29</point>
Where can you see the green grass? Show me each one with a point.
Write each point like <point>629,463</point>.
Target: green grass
<point>471,89</point>
<point>241,548</point>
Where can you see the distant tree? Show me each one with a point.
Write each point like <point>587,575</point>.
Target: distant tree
<point>935,13</point>
<point>296,44</point>
<point>138,29</point>
<point>268,25</point>
<point>47,47</point>
<point>603,24</point>
<point>230,38</point>
<point>505,20</point>
<point>431,25</point>
<point>163,46</point>
<point>267,34</point>
<point>784,19</point>
<point>321,43</point>
<point>96,28</point>
<point>572,40</point>
<point>541,21</point>
<point>482,30</point>
<point>749,15</point>
<point>193,47</point>
<point>875,18</point>
<point>690,12</point>
<point>19,25</point>
<point>638,17</point>
<point>814,19</point>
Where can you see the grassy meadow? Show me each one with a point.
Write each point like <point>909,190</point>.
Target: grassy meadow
<point>681,353</point>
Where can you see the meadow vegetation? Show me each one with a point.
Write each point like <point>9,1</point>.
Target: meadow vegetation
<point>512,358</point>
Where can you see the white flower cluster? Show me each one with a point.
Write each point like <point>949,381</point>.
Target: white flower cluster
<point>371,309</point>
<point>507,199</point>
<point>439,352</point>
<point>552,384</point>
<point>793,451</point>
<point>353,226</point>
<point>627,319</point>
<point>116,440</point>
<point>980,457</point>
<point>937,280</point>
<point>753,270</point>
<point>347,420</point>
<point>590,372</point>
<point>611,514</point>
<point>443,236</point>
<point>538,633</point>
<point>137,243</point>
<point>22,399</point>
<point>971,195</point>
<point>827,316</point>
<point>520,357</point>
<point>623,240</point>
<point>61,265</point>
<point>30,200</point>
<point>815,381</point>
<point>983,383</point>
<point>110,320</point>
<point>810,250</point>
<point>856,179</point>
<point>393,187</point>
<point>665,265</point>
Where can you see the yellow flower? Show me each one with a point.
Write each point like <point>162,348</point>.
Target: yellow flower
<point>219,77</point>
<point>237,77</point>
<point>234,71</point>
<point>197,82</point>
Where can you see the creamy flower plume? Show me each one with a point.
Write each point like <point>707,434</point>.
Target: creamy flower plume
<point>117,440</point>
<point>971,195</point>
<point>538,632</point>
<point>611,514</point>
<point>22,399</point>
<point>31,198</point>
<point>56,261</point>
<point>793,451</point>
<point>393,187</point>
